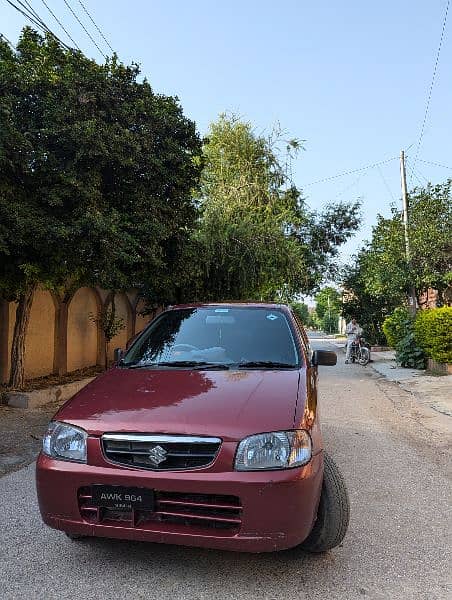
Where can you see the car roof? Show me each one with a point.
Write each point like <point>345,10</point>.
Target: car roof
<point>269,305</point>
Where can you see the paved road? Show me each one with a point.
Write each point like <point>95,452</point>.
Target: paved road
<point>398,545</point>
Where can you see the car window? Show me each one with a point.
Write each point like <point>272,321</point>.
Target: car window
<point>237,335</point>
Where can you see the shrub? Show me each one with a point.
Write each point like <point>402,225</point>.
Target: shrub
<point>408,354</point>
<point>433,333</point>
<point>396,326</point>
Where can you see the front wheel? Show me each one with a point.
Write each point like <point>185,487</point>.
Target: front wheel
<point>364,356</point>
<point>333,514</point>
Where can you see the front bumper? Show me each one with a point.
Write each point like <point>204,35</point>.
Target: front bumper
<point>275,509</point>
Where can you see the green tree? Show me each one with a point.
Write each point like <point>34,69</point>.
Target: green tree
<point>380,277</point>
<point>327,308</point>
<point>96,172</point>
<point>430,227</point>
<point>256,237</point>
<point>430,265</point>
<point>363,302</point>
<point>302,311</point>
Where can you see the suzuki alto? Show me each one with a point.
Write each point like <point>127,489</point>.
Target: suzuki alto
<point>205,433</point>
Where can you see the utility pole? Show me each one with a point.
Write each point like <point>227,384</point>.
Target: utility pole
<point>329,315</point>
<point>412,291</point>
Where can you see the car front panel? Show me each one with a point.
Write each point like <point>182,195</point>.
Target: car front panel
<point>214,507</point>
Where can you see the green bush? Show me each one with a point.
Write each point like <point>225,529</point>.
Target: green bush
<point>409,354</point>
<point>433,333</point>
<point>396,326</point>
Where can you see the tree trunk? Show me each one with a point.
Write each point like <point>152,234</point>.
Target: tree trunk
<point>107,346</point>
<point>108,328</point>
<point>17,376</point>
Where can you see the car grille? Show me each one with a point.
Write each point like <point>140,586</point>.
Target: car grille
<point>200,511</point>
<point>160,452</point>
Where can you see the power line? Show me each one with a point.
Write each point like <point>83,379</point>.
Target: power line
<point>32,19</point>
<point>427,162</point>
<point>35,19</point>
<point>30,9</point>
<point>7,40</point>
<point>352,185</point>
<point>413,174</point>
<point>59,23</point>
<point>416,170</point>
<point>433,80</point>
<point>383,162</point>
<point>95,25</point>
<point>386,183</point>
<point>83,27</point>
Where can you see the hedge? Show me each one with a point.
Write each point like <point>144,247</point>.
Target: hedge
<point>396,325</point>
<point>433,333</point>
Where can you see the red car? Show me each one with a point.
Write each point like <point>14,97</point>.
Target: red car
<point>205,433</point>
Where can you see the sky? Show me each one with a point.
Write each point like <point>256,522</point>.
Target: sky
<point>350,78</point>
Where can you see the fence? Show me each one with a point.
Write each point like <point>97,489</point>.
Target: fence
<point>61,337</point>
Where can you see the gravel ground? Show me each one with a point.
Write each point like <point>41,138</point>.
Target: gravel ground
<point>397,547</point>
<point>21,434</point>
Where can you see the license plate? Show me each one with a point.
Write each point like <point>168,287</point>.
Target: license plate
<point>123,498</point>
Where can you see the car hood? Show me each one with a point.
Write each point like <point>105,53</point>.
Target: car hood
<point>226,404</point>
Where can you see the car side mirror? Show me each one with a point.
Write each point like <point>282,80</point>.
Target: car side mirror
<point>326,358</point>
<point>118,354</point>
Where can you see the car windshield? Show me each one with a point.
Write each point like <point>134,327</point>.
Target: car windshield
<point>216,337</point>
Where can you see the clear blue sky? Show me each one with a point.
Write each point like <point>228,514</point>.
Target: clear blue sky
<point>350,78</point>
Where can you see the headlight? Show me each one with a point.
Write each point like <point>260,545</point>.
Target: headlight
<point>277,450</point>
<point>65,441</point>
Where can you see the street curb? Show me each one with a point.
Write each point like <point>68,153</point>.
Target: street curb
<point>37,398</point>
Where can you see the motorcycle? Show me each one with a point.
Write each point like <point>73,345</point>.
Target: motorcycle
<point>360,351</point>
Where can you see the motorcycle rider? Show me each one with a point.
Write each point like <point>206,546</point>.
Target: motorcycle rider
<point>352,330</point>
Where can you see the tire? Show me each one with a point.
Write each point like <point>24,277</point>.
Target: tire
<point>364,356</point>
<point>333,514</point>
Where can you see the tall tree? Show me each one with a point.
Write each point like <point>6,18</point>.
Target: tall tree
<point>368,304</point>
<point>380,279</point>
<point>96,172</point>
<point>256,236</point>
<point>430,234</point>
<point>327,308</point>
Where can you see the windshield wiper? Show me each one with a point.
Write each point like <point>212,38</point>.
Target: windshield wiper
<point>195,364</point>
<point>265,364</point>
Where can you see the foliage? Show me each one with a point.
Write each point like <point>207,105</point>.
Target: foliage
<point>256,238</point>
<point>109,324</point>
<point>430,227</point>
<point>302,312</point>
<point>328,306</point>
<point>369,309</point>
<point>96,172</point>
<point>433,333</point>
<point>408,353</point>
<point>380,277</point>
<point>330,322</point>
<point>394,326</point>
<point>398,328</point>
<point>90,160</point>
<point>430,265</point>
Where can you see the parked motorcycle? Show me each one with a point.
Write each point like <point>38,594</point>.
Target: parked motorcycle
<point>360,351</point>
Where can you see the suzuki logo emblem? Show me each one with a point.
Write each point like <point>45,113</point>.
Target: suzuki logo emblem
<point>157,455</point>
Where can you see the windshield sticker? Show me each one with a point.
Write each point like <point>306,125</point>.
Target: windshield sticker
<point>271,317</point>
<point>222,310</point>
